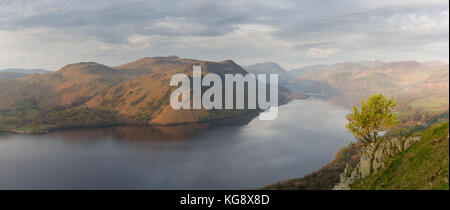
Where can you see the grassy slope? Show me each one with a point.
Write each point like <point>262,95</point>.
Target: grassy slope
<point>424,165</point>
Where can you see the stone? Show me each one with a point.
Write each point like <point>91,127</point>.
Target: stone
<point>407,143</point>
<point>416,138</point>
<point>379,153</point>
<point>355,173</point>
<point>365,165</point>
<point>379,156</point>
<point>341,186</point>
<point>396,143</point>
<point>346,174</point>
<point>410,140</point>
<point>373,158</point>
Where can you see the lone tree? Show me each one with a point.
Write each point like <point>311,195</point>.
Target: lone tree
<point>374,115</point>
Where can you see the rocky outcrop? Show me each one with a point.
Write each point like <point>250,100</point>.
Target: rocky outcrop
<point>373,157</point>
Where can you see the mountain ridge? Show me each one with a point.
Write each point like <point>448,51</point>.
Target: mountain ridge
<point>87,93</point>
<point>269,68</point>
<point>409,81</point>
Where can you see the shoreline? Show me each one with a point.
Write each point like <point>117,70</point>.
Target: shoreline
<point>20,132</point>
<point>251,112</point>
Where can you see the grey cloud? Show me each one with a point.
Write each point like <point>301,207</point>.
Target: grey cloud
<point>339,26</point>
<point>126,18</point>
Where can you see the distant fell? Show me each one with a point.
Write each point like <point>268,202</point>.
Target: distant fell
<point>14,73</point>
<point>269,68</point>
<point>419,85</point>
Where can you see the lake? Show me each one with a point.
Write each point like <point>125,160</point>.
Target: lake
<point>305,136</point>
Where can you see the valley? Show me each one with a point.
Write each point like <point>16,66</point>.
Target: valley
<point>129,105</point>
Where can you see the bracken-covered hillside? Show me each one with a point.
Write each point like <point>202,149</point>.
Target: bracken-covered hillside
<point>90,94</point>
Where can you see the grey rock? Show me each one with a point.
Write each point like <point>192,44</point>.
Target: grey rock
<point>373,158</point>
<point>365,166</point>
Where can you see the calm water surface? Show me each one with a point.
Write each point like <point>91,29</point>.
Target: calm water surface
<point>305,136</point>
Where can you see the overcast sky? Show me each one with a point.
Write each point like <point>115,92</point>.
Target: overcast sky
<point>52,33</point>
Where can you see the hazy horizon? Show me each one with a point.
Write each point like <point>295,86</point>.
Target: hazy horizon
<point>51,34</point>
<point>288,69</point>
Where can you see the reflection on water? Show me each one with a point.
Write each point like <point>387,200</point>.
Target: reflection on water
<point>304,137</point>
<point>131,133</point>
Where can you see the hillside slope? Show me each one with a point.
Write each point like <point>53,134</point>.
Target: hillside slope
<point>89,94</point>
<point>416,85</point>
<point>147,97</point>
<point>425,165</point>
